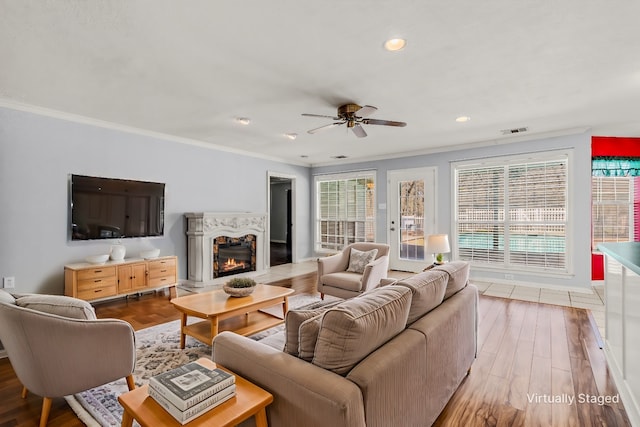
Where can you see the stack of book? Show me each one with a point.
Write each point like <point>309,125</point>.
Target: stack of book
<point>191,390</point>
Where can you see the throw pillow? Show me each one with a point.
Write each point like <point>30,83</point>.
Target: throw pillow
<point>57,304</point>
<point>294,318</point>
<point>358,260</point>
<point>358,326</point>
<point>309,330</point>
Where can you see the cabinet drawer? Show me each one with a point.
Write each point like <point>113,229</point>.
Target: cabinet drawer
<point>161,272</point>
<point>162,281</point>
<point>160,264</point>
<point>97,283</point>
<point>97,272</point>
<point>106,291</point>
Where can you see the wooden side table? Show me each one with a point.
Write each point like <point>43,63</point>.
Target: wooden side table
<point>249,401</point>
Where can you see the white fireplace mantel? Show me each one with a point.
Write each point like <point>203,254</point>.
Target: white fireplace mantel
<point>203,227</point>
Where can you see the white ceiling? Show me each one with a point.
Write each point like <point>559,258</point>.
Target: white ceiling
<point>188,69</point>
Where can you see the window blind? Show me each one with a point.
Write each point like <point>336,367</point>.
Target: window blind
<point>612,207</point>
<point>346,210</point>
<point>513,214</point>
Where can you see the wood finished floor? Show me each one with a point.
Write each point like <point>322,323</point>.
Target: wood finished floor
<point>524,349</point>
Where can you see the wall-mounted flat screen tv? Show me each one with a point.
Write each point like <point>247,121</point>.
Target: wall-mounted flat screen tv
<point>110,208</point>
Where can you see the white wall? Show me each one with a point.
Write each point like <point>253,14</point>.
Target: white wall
<point>37,154</point>
<point>580,171</point>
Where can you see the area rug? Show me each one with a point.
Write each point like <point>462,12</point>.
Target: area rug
<point>158,350</point>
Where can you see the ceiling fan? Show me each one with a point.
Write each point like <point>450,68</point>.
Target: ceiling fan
<point>354,116</point>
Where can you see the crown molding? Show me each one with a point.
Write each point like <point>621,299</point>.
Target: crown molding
<point>76,118</point>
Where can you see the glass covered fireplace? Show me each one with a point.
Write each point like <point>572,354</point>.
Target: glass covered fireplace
<point>233,255</point>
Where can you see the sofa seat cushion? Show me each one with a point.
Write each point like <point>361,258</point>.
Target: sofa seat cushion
<point>57,304</point>
<point>344,280</point>
<point>458,272</point>
<point>6,297</point>
<point>428,289</point>
<point>358,326</point>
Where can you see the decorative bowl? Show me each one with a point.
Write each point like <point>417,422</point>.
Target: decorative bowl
<point>97,259</point>
<point>150,254</point>
<point>239,287</point>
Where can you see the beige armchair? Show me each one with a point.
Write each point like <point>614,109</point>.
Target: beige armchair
<point>334,277</point>
<point>57,347</point>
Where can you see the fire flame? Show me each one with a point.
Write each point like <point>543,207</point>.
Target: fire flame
<point>231,264</point>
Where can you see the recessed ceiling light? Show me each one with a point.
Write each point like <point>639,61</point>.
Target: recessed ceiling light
<point>463,119</point>
<point>291,135</point>
<point>393,45</point>
<point>243,120</point>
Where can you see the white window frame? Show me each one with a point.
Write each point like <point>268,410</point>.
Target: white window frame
<point>367,174</point>
<point>506,162</point>
<point>628,204</point>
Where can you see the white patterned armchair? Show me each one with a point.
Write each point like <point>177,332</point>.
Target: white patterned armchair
<point>354,270</point>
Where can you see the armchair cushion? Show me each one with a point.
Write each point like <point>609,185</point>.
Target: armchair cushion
<point>57,304</point>
<point>344,280</point>
<point>358,260</point>
<point>6,297</point>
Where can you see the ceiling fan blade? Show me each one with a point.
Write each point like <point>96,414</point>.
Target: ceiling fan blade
<point>325,127</point>
<point>359,131</point>
<point>321,116</point>
<point>383,122</point>
<point>366,110</point>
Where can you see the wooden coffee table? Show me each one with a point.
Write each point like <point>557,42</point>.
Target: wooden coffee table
<point>225,313</point>
<point>250,400</point>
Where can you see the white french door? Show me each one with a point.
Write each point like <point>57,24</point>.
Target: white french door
<point>411,207</point>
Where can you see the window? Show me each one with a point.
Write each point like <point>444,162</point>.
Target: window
<point>345,210</point>
<point>612,208</point>
<point>512,213</point>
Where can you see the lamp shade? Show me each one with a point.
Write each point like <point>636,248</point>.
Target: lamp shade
<point>438,244</point>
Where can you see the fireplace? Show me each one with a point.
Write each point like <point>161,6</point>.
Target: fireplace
<point>220,245</point>
<point>233,255</point>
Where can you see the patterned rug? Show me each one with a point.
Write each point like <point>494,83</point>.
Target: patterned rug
<point>158,350</point>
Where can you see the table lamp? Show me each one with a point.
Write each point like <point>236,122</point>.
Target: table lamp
<point>437,244</point>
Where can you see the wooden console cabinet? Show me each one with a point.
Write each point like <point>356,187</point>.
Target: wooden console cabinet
<point>91,282</point>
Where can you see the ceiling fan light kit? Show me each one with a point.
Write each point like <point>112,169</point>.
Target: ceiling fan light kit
<point>353,115</point>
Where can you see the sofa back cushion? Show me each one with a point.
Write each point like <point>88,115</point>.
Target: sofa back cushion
<point>358,326</point>
<point>428,289</point>
<point>458,272</point>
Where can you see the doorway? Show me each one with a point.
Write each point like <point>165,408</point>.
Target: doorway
<point>411,209</point>
<point>281,195</point>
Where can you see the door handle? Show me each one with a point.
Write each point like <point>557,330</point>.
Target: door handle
<point>392,229</point>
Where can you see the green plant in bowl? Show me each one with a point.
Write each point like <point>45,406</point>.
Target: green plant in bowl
<point>239,286</point>
<point>241,282</point>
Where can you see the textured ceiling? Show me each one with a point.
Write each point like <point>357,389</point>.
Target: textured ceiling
<point>188,69</point>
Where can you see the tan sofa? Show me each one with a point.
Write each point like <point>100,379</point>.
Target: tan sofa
<point>392,356</point>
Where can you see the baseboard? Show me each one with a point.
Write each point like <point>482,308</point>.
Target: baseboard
<point>3,354</point>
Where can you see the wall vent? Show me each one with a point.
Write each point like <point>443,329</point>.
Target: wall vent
<point>514,130</point>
